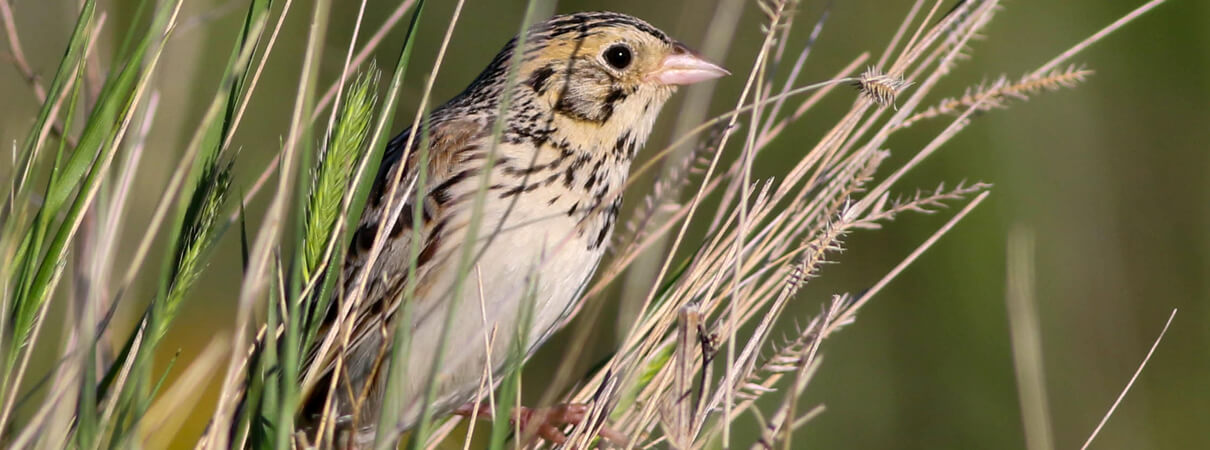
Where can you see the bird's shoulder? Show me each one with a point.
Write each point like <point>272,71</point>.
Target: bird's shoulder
<point>447,139</point>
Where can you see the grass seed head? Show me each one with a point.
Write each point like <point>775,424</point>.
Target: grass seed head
<point>881,88</point>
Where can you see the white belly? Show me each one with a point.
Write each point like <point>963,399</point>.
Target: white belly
<point>536,264</point>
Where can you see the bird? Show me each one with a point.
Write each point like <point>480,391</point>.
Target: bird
<point>582,102</point>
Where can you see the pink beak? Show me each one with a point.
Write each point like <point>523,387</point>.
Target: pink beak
<point>684,66</point>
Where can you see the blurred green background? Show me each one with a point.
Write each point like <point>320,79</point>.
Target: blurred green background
<point>1111,177</point>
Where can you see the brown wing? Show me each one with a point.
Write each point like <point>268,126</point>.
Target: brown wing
<point>454,144</point>
<point>451,141</point>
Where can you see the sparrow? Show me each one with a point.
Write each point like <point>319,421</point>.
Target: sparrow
<point>582,103</point>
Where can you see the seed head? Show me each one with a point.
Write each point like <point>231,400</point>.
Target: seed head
<point>880,88</point>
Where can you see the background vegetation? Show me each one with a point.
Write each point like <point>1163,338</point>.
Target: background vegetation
<point>1110,178</point>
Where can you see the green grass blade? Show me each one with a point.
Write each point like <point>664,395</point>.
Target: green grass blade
<point>366,171</point>
<point>194,236</point>
<point>68,66</point>
<point>393,401</point>
<point>84,170</point>
<point>212,140</point>
<point>363,180</point>
<point>534,9</point>
<point>330,185</point>
<point>290,315</point>
<point>510,388</point>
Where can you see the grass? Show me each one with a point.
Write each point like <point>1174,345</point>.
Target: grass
<point>699,354</point>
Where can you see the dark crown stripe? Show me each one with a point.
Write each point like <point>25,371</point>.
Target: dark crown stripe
<point>585,21</point>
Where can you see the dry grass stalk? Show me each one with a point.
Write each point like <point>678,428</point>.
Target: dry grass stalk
<point>783,422</point>
<point>1129,384</point>
<point>996,95</point>
<point>1026,335</point>
<point>680,405</point>
<point>661,199</point>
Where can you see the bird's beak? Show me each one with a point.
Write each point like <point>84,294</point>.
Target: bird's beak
<point>684,66</point>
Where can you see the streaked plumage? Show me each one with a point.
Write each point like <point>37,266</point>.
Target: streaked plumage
<point>588,91</point>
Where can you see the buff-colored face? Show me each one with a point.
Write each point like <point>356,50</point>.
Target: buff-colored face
<point>597,72</point>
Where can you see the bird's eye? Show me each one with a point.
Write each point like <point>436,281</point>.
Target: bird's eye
<point>618,56</point>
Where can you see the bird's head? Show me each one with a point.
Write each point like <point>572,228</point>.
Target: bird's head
<point>593,66</point>
<point>601,75</point>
